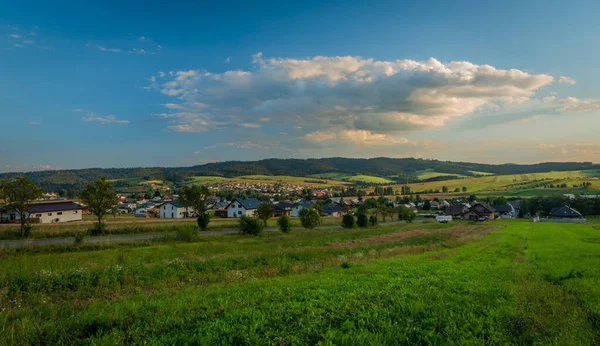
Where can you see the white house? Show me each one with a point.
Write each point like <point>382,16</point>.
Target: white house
<point>172,210</point>
<point>242,207</point>
<point>47,212</point>
<point>298,207</point>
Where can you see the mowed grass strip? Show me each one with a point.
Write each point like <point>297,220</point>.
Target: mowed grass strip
<point>506,282</point>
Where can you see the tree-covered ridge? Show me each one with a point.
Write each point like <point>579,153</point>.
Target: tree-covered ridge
<point>384,167</point>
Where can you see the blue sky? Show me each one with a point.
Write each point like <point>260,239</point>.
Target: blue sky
<point>103,84</point>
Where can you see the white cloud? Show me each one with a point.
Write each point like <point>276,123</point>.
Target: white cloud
<point>566,80</point>
<point>28,167</point>
<point>228,60</point>
<point>161,74</point>
<point>139,51</point>
<point>15,36</point>
<point>159,47</point>
<point>18,45</point>
<point>362,137</point>
<point>575,105</point>
<point>112,50</point>
<point>527,120</point>
<point>34,123</point>
<point>550,98</point>
<point>348,93</point>
<point>109,119</point>
<point>197,153</point>
<point>142,38</point>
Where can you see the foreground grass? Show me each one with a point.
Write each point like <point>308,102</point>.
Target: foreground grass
<point>498,283</point>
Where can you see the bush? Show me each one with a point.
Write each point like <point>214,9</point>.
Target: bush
<point>373,220</point>
<point>187,234</point>
<point>248,225</point>
<point>309,218</point>
<point>361,220</point>
<point>203,220</point>
<point>79,238</point>
<point>27,230</point>
<point>284,224</point>
<point>348,221</point>
<point>97,229</point>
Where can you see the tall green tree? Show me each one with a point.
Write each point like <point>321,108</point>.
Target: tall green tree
<point>100,199</point>
<point>309,218</point>
<point>265,211</point>
<point>18,195</point>
<point>194,196</point>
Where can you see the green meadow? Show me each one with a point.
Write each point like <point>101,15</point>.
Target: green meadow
<point>495,283</point>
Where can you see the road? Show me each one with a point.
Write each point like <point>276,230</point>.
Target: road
<point>143,236</point>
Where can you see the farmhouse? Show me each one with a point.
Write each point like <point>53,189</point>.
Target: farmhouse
<point>565,212</point>
<point>172,210</point>
<point>242,207</point>
<point>479,212</point>
<point>46,212</point>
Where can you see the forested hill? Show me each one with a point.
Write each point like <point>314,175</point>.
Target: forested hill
<point>384,167</point>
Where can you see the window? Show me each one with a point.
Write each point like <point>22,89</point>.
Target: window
<point>76,212</point>
<point>172,216</point>
<point>59,213</point>
<point>240,212</point>
<point>172,208</point>
<point>49,214</point>
<point>239,206</point>
<point>38,215</point>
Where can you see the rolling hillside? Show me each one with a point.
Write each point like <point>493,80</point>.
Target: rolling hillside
<point>384,168</point>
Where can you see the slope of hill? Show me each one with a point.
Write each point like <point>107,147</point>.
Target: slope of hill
<point>390,168</point>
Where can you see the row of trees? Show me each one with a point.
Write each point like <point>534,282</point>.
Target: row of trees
<point>543,205</point>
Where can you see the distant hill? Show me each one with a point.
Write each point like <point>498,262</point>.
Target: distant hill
<point>395,169</point>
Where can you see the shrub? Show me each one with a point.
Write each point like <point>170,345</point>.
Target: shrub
<point>97,229</point>
<point>187,234</point>
<point>373,220</point>
<point>309,218</point>
<point>27,230</point>
<point>203,221</point>
<point>248,225</point>
<point>361,220</point>
<point>284,224</point>
<point>79,237</point>
<point>348,221</point>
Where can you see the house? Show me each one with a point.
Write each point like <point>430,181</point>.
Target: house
<point>479,212</point>
<point>172,210</point>
<point>503,211</point>
<point>299,206</point>
<point>455,211</point>
<point>46,212</point>
<point>242,207</point>
<point>333,210</point>
<point>141,212</point>
<point>435,205</point>
<point>565,212</point>
<point>219,209</point>
<point>283,208</point>
<point>516,207</point>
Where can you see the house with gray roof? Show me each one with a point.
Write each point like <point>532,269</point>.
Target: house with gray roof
<point>242,207</point>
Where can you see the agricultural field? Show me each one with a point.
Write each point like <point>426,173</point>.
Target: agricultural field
<point>430,173</point>
<point>368,179</point>
<point>503,282</point>
<point>524,185</point>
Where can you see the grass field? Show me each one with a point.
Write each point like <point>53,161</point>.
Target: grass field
<point>430,173</point>
<point>135,226</point>
<point>353,178</point>
<point>497,283</point>
<point>523,185</point>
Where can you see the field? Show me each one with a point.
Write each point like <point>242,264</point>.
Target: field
<point>130,225</point>
<point>510,282</point>
<point>430,173</point>
<point>521,185</point>
<point>353,178</point>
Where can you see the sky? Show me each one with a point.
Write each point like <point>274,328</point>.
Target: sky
<point>183,83</point>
